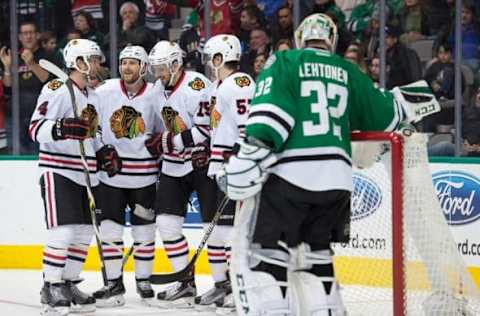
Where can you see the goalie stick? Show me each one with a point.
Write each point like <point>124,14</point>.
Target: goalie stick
<point>188,270</point>
<point>55,70</point>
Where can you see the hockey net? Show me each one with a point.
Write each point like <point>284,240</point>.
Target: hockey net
<point>402,258</point>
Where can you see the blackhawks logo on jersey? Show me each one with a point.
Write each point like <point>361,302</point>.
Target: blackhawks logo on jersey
<point>54,84</point>
<point>90,115</point>
<point>215,116</point>
<point>242,81</point>
<point>173,121</point>
<point>127,122</point>
<point>197,84</point>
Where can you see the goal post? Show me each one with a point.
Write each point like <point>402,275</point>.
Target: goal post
<point>402,258</point>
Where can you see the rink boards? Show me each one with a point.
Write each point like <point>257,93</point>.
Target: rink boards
<point>457,182</point>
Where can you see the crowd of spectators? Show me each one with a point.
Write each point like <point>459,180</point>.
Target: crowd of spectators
<point>263,27</point>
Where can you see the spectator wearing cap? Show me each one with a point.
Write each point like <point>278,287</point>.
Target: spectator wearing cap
<point>413,21</point>
<point>130,31</point>
<point>405,66</point>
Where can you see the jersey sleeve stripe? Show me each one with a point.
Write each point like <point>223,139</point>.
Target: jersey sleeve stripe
<point>397,118</point>
<point>273,116</point>
<point>271,108</point>
<point>270,122</point>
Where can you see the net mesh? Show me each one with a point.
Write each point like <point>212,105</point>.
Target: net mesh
<point>436,279</point>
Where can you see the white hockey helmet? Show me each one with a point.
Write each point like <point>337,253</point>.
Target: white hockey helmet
<point>165,52</point>
<point>226,45</point>
<point>317,26</point>
<point>81,48</point>
<point>135,52</point>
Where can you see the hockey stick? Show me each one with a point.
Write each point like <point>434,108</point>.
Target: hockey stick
<point>185,272</point>
<point>55,70</point>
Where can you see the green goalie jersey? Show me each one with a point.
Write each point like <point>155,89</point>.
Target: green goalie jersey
<point>306,104</point>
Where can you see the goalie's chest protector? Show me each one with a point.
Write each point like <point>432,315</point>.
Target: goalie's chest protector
<point>183,105</point>
<point>126,122</point>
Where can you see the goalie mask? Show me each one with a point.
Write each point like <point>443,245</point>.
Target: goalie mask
<point>162,58</point>
<point>84,49</point>
<point>317,26</point>
<point>137,53</point>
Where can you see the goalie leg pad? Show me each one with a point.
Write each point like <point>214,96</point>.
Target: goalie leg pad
<point>255,292</point>
<point>314,292</point>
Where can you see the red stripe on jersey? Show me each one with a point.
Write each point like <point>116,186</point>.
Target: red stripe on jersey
<point>66,162</point>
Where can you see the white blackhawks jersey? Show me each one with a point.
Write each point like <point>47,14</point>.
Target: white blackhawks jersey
<point>63,156</point>
<point>126,121</point>
<point>229,105</point>
<point>186,108</point>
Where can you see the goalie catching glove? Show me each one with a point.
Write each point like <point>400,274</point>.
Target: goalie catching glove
<point>108,160</point>
<point>160,143</point>
<point>417,100</point>
<point>244,174</point>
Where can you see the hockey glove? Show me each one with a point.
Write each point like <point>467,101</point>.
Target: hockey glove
<point>244,174</point>
<point>416,100</point>
<point>200,155</point>
<point>70,128</point>
<point>108,160</point>
<point>160,143</point>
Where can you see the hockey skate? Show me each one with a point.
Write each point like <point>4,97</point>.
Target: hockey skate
<point>214,297</point>
<point>144,289</point>
<point>111,295</point>
<point>228,307</point>
<point>55,299</point>
<point>81,302</point>
<point>179,295</point>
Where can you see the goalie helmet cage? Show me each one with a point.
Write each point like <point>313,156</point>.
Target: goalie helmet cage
<point>402,258</point>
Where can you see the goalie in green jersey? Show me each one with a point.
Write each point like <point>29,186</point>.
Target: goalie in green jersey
<point>306,104</point>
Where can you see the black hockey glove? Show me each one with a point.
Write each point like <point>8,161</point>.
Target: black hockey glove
<point>200,155</point>
<point>160,143</point>
<point>108,160</point>
<point>70,128</point>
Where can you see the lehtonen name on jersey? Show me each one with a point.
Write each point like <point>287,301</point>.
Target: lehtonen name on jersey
<point>307,70</point>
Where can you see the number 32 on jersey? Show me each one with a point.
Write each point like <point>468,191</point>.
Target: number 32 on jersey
<point>331,101</point>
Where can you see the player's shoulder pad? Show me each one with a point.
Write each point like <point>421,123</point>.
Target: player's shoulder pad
<point>242,80</point>
<point>196,81</point>
<point>54,84</point>
<point>52,87</point>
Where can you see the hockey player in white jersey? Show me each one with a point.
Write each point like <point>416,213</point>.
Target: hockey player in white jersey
<point>229,105</point>
<point>62,179</point>
<point>128,114</point>
<point>185,115</point>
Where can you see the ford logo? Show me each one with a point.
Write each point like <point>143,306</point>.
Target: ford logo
<point>458,196</point>
<point>366,198</point>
